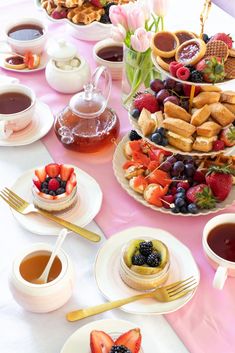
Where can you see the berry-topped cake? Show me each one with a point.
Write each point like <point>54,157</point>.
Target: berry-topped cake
<point>128,342</point>
<point>144,264</point>
<point>54,187</point>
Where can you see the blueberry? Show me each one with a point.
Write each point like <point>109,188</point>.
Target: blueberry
<point>44,185</point>
<point>180,195</point>
<point>183,209</point>
<point>135,113</point>
<point>192,208</point>
<point>164,142</point>
<point>161,131</point>
<point>156,138</point>
<point>180,189</point>
<point>60,191</point>
<point>45,191</point>
<point>175,210</point>
<point>179,202</point>
<point>63,184</point>
<point>52,193</point>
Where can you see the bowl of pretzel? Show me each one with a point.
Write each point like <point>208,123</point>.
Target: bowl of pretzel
<point>88,19</point>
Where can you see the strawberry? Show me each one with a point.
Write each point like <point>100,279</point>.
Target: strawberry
<point>212,69</point>
<point>201,195</point>
<point>218,145</point>
<point>100,342</point>
<point>41,174</point>
<point>131,340</point>
<point>37,183</point>
<point>52,170</point>
<point>69,187</point>
<point>72,179</point>
<point>99,3</point>
<point>174,66</point>
<point>224,37</point>
<point>228,136</point>
<point>147,101</point>
<point>183,73</point>
<point>65,171</point>
<point>220,181</point>
<point>199,177</point>
<point>53,184</point>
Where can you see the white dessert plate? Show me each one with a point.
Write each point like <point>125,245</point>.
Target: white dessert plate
<point>82,213</point>
<point>79,341</point>
<point>40,125</point>
<point>134,123</point>
<point>166,73</point>
<point>43,61</point>
<point>111,285</point>
<point>119,159</point>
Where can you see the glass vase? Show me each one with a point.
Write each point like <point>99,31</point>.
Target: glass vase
<point>138,72</point>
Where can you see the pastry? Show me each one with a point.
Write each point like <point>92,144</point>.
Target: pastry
<point>228,97</point>
<point>54,187</point>
<point>133,171</point>
<point>208,129</point>
<point>85,14</point>
<point>221,114</point>
<point>232,52</point>
<point>179,127</point>
<point>164,44</point>
<point>138,183</point>
<point>205,98</point>
<point>147,122</point>
<point>128,150</point>
<point>191,51</point>
<point>200,115</point>
<point>175,111</point>
<point>177,141</point>
<point>164,63</point>
<point>158,116</point>
<point>211,88</point>
<point>229,67</point>
<point>204,144</point>
<point>183,36</point>
<point>217,48</point>
<point>230,107</point>
<point>15,62</point>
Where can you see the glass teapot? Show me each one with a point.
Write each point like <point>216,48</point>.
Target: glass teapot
<point>87,124</point>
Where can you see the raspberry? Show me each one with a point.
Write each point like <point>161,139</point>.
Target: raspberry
<point>183,73</point>
<point>53,184</point>
<point>174,66</point>
<point>147,101</point>
<point>218,145</point>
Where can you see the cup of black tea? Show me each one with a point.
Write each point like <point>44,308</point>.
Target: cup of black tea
<point>219,246</point>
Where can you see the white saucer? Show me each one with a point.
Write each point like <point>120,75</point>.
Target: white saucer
<point>83,212</point>
<point>111,285</point>
<point>79,341</point>
<point>40,125</point>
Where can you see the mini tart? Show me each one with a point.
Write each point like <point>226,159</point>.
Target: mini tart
<point>164,44</point>
<point>144,277</point>
<point>15,62</point>
<point>191,51</point>
<point>164,63</point>
<point>183,36</point>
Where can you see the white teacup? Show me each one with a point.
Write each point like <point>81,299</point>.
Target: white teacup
<point>10,123</point>
<point>223,267</point>
<point>36,46</point>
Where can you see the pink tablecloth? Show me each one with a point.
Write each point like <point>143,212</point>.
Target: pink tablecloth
<point>206,323</point>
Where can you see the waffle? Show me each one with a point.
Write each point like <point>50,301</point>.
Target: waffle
<point>85,14</point>
<point>217,48</point>
<point>229,67</point>
<point>69,3</point>
<point>232,52</point>
<point>49,6</point>
<point>220,160</point>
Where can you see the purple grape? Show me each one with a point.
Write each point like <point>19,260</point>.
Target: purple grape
<point>161,95</point>
<point>189,170</point>
<point>166,166</point>
<point>169,83</point>
<point>172,99</point>
<point>156,85</point>
<point>178,88</point>
<point>171,159</point>
<point>178,167</point>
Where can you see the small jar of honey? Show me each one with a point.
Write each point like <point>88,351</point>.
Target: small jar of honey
<point>28,266</point>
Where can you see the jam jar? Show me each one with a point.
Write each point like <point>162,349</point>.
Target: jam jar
<point>87,124</point>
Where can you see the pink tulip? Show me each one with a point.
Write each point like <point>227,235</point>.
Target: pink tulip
<point>118,15</point>
<point>145,8</point>
<point>140,40</point>
<point>160,7</point>
<point>118,33</point>
<point>135,19</point>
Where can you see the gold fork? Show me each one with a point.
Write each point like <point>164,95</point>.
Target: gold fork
<point>167,293</point>
<point>23,207</point>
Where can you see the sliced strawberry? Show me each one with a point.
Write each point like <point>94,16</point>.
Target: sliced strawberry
<point>130,339</point>
<point>135,145</point>
<point>53,170</point>
<point>65,171</point>
<point>128,164</point>
<point>41,174</point>
<point>46,196</point>
<point>100,342</point>
<point>69,187</point>
<point>73,179</point>
<point>37,183</point>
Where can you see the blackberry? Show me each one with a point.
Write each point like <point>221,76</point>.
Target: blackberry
<point>105,18</point>
<point>138,259</point>
<point>120,349</point>
<point>196,76</point>
<point>107,7</point>
<point>134,136</point>
<point>205,38</point>
<point>154,259</point>
<point>44,185</point>
<point>45,191</point>
<point>52,193</point>
<point>146,247</point>
<point>190,67</point>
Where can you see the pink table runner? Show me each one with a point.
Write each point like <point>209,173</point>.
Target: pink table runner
<point>205,324</point>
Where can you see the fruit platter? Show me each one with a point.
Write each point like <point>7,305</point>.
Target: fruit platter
<point>172,183</point>
<point>192,60</point>
<point>162,116</point>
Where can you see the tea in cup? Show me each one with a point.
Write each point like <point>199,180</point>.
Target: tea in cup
<point>219,247</point>
<point>17,106</point>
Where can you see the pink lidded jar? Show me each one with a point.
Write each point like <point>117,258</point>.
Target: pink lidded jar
<point>29,265</point>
